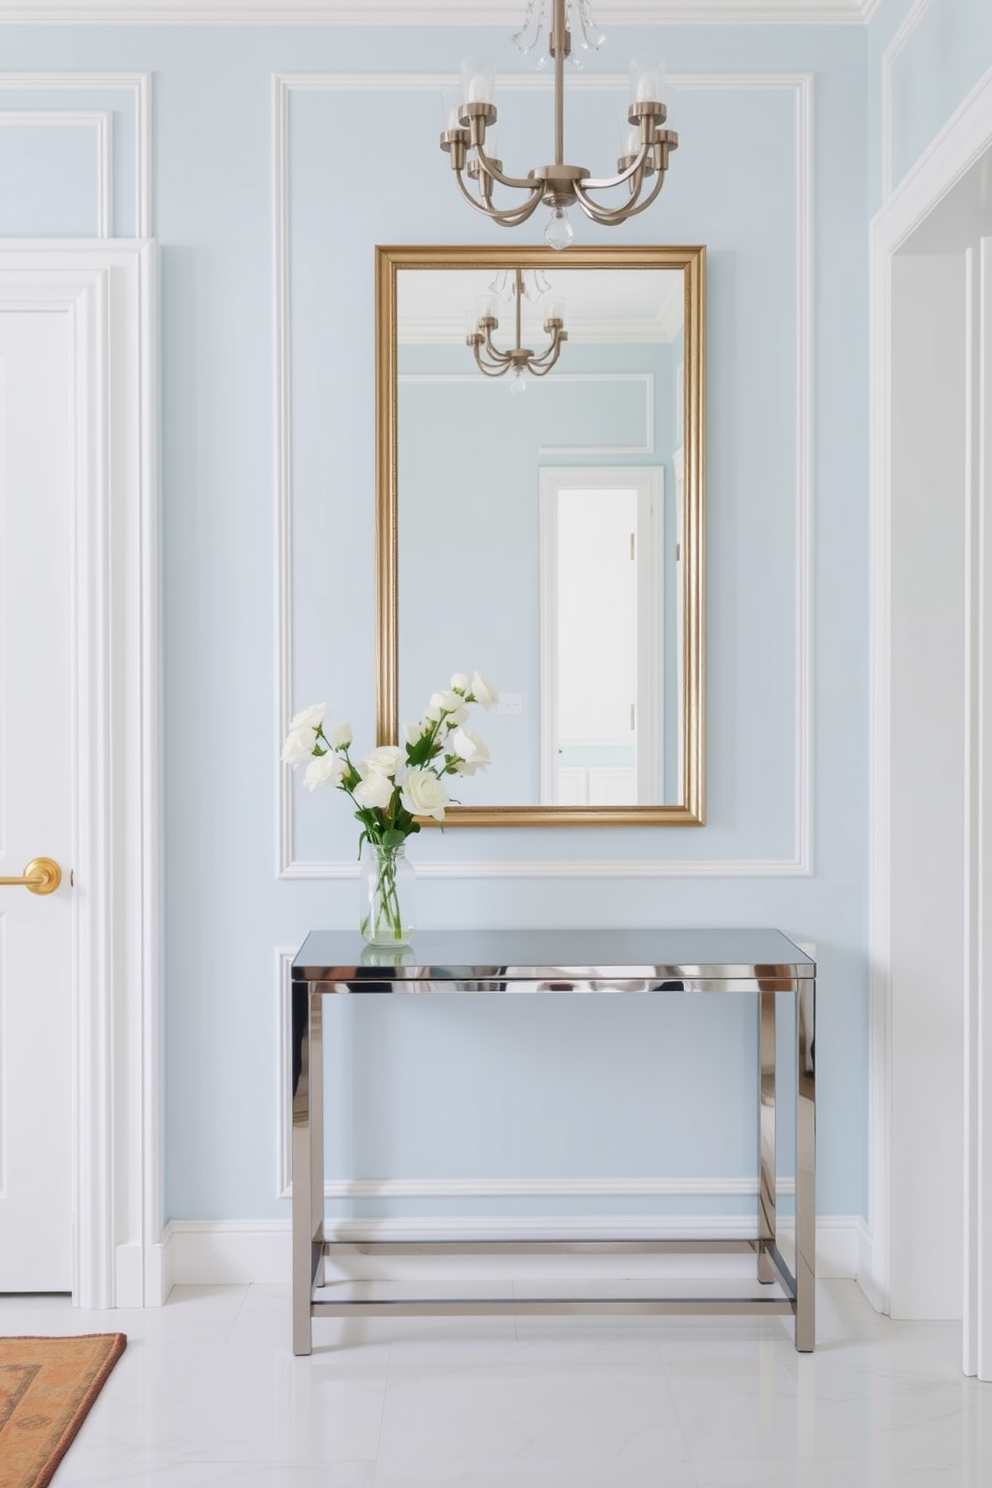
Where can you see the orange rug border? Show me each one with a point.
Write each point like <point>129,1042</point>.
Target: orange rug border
<point>71,1428</point>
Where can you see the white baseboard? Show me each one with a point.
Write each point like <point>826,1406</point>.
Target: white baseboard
<point>234,1252</point>
<point>870,1272</point>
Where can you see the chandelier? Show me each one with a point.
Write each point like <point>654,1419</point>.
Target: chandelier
<point>518,359</point>
<point>469,137</point>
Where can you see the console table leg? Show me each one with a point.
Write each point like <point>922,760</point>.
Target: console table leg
<point>302,1168</point>
<point>766,1132</point>
<point>806,1168</point>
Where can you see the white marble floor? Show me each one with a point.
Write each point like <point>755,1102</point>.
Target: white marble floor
<point>208,1394</point>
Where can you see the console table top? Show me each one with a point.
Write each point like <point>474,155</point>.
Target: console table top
<point>526,955</point>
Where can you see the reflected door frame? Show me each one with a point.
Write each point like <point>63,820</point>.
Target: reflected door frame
<point>648,483</point>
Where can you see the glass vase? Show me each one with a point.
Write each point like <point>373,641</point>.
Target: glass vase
<point>387,889</point>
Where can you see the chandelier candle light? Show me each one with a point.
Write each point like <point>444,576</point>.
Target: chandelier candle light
<point>392,787</point>
<point>470,129</point>
<point>493,362</point>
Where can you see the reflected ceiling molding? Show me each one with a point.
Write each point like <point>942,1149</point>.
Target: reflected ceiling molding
<point>800,85</point>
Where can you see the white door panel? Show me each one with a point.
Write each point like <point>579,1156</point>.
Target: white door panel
<point>36,465</point>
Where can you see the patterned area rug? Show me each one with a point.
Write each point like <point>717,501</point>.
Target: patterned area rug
<point>47,1385</point>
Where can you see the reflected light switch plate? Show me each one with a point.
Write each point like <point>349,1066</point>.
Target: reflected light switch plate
<point>510,702</point>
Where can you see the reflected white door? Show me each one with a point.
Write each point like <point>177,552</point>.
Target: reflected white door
<point>36,1200</point>
<point>601,681</point>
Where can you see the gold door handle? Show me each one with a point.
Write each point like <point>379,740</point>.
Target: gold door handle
<point>41,876</point>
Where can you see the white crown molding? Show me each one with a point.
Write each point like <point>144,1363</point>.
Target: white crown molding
<point>434,13</point>
<point>800,85</point>
<point>909,24</point>
<point>102,122</point>
<point>136,83</point>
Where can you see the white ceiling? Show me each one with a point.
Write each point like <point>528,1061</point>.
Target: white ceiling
<point>601,305</point>
<point>424,12</point>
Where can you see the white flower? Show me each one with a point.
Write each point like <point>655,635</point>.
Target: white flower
<point>423,794</point>
<point>326,769</point>
<point>375,790</point>
<point>432,715</point>
<point>446,702</point>
<point>340,737</point>
<point>414,732</point>
<point>460,682</point>
<point>311,717</point>
<point>452,720</point>
<point>382,761</point>
<point>299,744</point>
<point>473,751</point>
<point>483,691</point>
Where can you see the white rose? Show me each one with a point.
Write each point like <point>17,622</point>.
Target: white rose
<point>382,761</point>
<point>375,790</point>
<point>446,702</point>
<point>326,769</point>
<point>299,745</point>
<point>340,737</point>
<point>423,794</point>
<point>459,682</point>
<point>311,717</point>
<point>483,691</point>
<point>474,753</point>
<point>414,732</point>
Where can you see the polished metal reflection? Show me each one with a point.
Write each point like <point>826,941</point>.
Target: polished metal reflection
<point>330,963</point>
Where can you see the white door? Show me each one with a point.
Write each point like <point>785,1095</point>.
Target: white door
<point>36,964</point>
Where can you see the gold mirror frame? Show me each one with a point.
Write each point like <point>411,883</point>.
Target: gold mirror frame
<point>688,811</point>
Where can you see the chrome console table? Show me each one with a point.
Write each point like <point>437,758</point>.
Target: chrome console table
<point>655,962</point>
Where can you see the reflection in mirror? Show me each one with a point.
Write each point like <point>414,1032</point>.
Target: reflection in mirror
<point>553,539</point>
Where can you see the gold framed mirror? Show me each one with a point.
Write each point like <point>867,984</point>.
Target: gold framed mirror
<point>552,540</point>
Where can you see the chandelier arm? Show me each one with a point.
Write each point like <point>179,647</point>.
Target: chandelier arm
<point>593,183</point>
<point>507,217</point>
<point>537,370</point>
<point>548,357</point>
<point>489,371</point>
<point>495,174</point>
<point>611,218</point>
<point>498,364</point>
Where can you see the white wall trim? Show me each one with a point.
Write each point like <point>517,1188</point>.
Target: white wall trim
<point>102,122</point>
<point>232,1252</point>
<point>436,13</point>
<point>136,83</point>
<point>108,290</point>
<point>646,379</point>
<point>909,24</point>
<point>801,863</point>
<point>966,136</point>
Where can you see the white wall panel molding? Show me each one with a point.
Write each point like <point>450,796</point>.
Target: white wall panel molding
<point>102,122</point>
<point>435,13</point>
<point>911,20</point>
<point>475,1188</point>
<point>138,86</point>
<point>800,864</point>
<point>643,379</point>
<point>219,1252</point>
<point>108,290</point>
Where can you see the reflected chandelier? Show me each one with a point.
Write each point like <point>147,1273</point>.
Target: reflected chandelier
<point>492,361</point>
<point>645,143</point>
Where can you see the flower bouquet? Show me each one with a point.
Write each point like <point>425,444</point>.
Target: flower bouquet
<point>391,787</point>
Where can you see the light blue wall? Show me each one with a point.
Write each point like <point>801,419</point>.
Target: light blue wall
<point>947,51</point>
<point>576,1087</point>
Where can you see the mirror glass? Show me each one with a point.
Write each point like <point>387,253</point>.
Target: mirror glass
<point>541,522</point>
